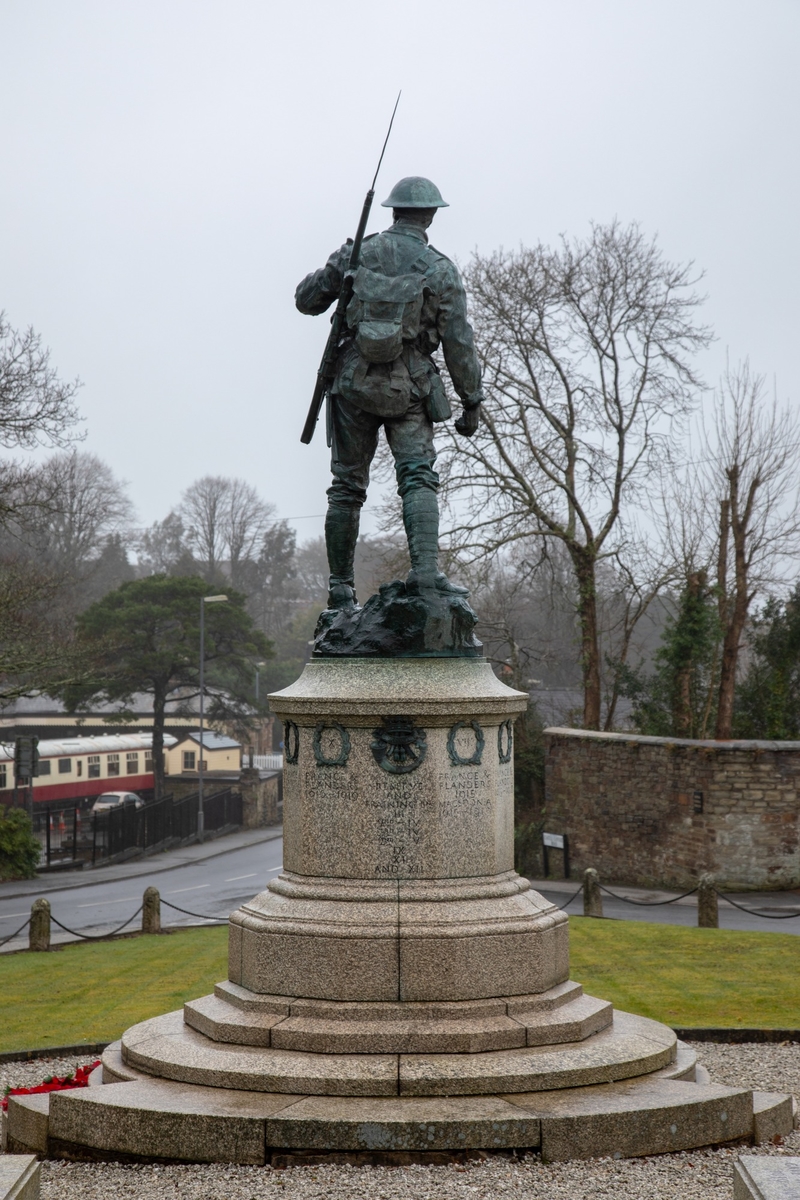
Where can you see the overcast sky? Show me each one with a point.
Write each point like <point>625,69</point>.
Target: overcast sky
<point>172,168</point>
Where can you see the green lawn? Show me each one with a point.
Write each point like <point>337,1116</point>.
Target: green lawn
<point>690,976</point>
<point>92,991</point>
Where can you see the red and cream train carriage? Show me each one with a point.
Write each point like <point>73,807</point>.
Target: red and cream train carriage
<point>74,769</point>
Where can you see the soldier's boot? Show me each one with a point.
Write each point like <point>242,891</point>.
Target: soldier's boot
<point>421,519</point>
<point>341,535</point>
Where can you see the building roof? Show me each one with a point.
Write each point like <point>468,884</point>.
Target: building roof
<point>184,701</point>
<point>211,740</point>
<point>102,744</point>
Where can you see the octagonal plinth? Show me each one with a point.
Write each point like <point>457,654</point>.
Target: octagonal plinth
<point>398,844</point>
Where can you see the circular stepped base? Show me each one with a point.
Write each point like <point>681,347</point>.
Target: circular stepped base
<point>141,1118</point>
<point>167,1048</point>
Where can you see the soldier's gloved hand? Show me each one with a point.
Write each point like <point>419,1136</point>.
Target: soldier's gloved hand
<point>468,422</point>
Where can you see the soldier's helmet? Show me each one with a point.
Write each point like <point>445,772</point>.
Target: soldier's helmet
<point>415,192</point>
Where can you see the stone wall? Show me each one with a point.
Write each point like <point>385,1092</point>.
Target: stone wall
<point>260,797</point>
<point>648,810</point>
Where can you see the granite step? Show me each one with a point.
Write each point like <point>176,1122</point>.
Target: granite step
<point>168,1048</point>
<point>685,1067</point>
<point>631,1046</point>
<point>573,1022</point>
<point>27,1123</point>
<point>773,1114</point>
<point>636,1117</point>
<point>146,1119</point>
<point>223,1022</point>
<point>235,1016</point>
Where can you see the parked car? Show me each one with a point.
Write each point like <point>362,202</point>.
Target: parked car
<point>107,801</point>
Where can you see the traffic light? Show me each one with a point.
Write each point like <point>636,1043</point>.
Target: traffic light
<point>26,757</point>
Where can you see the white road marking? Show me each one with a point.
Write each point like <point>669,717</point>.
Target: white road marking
<point>234,878</point>
<point>272,870</point>
<point>11,916</point>
<point>199,888</point>
<point>103,903</point>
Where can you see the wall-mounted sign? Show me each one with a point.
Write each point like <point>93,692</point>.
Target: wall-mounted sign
<point>555,841</point>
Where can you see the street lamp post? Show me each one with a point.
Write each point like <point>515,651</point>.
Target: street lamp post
<point>258,665</point>
<point>204,601</point>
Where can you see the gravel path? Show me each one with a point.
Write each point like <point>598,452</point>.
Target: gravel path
<point>698,1175</point>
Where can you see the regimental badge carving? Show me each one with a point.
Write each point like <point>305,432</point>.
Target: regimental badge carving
<point>399,746</point>
<point>505,741</point>
<point>457,759</point>
<point>291,742</point>
<point>329,735</point>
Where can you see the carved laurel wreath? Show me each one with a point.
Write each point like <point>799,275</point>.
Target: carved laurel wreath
<point>480,741</point>
<point>505,730</point>
<point>344,745</point>
<point>291,742</point>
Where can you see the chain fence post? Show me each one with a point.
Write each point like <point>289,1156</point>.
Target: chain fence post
<point>707,904</point>
<point>151,910</point>
<point>39,931</point>
<point>592,896</point>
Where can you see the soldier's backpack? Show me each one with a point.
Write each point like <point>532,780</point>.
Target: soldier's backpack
<point>384,312</point>
<point>383,315</point>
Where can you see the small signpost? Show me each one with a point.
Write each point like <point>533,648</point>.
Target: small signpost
<point>555,841</point>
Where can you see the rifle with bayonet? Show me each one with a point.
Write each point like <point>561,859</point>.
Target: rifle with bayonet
<point>327,368</point>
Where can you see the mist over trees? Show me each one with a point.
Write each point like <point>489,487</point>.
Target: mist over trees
<point>628,534</point>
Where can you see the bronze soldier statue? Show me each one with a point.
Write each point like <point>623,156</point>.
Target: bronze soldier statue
<point>407,300</point>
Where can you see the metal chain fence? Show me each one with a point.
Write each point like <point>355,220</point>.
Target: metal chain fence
<point>217,920</point>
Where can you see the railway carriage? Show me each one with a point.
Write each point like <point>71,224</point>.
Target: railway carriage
<point>78,769</point>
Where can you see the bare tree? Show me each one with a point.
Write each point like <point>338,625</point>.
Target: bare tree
<point>586,351</point>
<point>36,408</point>
<point>731,516</point>
<point>270,580</point>
<point>203,508</point>
<point>225,519</point>
<point>245,522</point>
<point>630,609</point>
<point>751,469</point>
<point>78,504</point>
<point>38,651</point>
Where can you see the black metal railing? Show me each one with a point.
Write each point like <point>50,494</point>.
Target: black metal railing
<point>221,809</point>
<point>160,823</point>
<point>64,832</point>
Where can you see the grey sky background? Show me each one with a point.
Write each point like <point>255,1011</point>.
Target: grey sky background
<point>172,168</point>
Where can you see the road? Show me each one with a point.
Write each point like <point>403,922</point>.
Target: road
<point>212,880</point>
<point>210,886</point>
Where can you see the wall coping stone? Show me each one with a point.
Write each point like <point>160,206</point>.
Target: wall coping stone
<point>648,740</point>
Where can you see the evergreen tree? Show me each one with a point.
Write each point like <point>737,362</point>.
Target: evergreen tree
<point>677,699</point>
<point>145,637</point>
<point>768,698</point>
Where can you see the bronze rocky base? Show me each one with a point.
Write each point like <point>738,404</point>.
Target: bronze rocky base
<point>399,624</point>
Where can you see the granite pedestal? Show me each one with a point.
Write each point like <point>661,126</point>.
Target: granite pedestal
<point>398,989</point>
